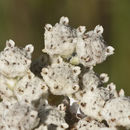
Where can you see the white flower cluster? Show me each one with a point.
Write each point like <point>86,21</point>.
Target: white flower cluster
<point>68,94</point>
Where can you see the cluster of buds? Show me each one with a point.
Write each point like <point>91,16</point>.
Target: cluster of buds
<point>66,94</point>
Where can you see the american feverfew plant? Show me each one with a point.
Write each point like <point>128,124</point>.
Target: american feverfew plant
<point>61,92</point>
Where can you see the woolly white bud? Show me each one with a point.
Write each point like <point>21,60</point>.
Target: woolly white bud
<point>98,29</point>
<point>104,77</point>
<point>121,93</point>
<point>64,20</point>
<point>111,86</point>
<point>29,48</point>
<point>10,43</point>
<point>48,27</point>
<point>109,50</point>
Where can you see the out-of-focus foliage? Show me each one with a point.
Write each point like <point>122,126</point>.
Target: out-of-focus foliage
<point>24,20</point>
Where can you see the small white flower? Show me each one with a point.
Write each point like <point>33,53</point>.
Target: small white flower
<point>59,39</point>
<point>61,77</point>
<point>15,62</point>
<point>91,48</point>
<point>30,88</point>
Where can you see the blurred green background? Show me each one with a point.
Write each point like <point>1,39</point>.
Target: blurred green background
<point>23,21</point>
